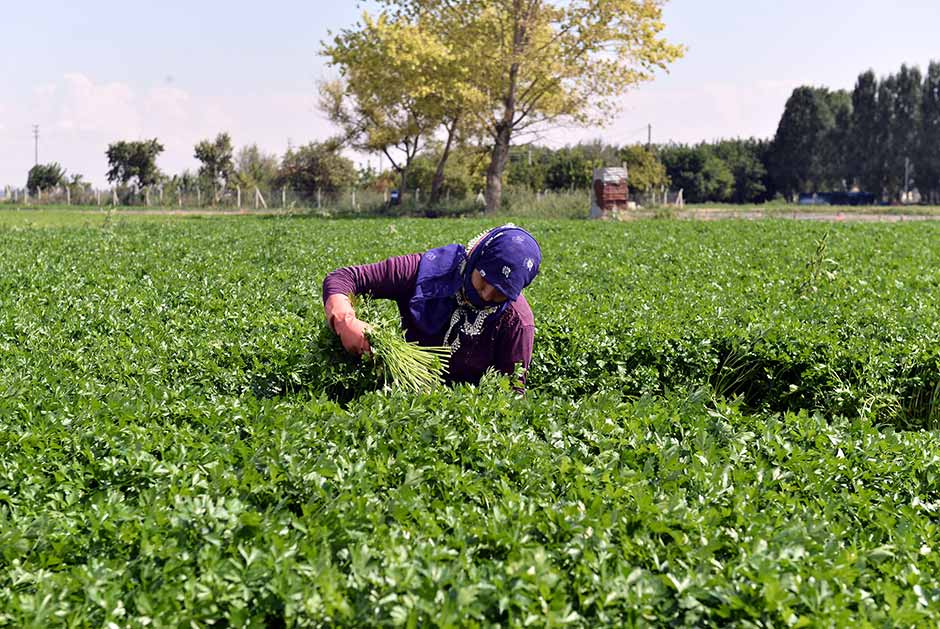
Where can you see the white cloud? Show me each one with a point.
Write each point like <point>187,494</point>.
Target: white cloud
<point>89,107</point>
<point>80,115</point>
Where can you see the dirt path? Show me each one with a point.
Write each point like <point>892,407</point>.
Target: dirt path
<point>711,214</point>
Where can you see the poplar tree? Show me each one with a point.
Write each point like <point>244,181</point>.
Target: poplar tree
<point>927,175</point>
<point>862,146</point>
<point>907,125</point>
<point>888,177</point>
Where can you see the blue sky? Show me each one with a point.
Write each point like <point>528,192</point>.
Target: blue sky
<point>93,72</point>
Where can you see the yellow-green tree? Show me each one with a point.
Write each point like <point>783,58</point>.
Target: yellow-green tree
<point>533,63</point>
<point>399,85</point>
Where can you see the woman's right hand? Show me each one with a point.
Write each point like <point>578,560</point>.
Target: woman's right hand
<point>341,316</point>
<point>352,333</point>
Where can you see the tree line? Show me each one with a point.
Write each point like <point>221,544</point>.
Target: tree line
<point>882,137</point>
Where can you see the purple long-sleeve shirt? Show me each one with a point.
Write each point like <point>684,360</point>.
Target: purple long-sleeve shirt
<point>504,342</point>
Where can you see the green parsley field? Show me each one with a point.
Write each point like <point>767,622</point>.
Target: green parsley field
<point>727,424</point>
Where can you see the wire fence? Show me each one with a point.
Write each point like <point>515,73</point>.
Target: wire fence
<point>572,203</point>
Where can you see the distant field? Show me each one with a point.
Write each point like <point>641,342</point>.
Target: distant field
<point>728,423</point>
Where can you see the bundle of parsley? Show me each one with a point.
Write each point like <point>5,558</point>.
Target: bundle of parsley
<point>404,365</point>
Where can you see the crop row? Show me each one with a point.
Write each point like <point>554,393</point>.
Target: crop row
<point>781,315</point>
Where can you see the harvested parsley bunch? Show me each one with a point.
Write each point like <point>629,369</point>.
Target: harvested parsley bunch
<point>405,365</point>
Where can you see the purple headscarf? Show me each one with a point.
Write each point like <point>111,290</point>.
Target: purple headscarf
<point>507,257</point>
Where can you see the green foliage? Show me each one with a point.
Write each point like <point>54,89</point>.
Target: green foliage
<point>134,162</point>
<point>746,159</point>
<point>701,174</point>
<point>928,158</point>
<point>217,166</point>
<point>44,176</point>
<point>253,168</point>
<point>644,170</point>
<point>711,435</point>
<point>802,150</point>
<point>316,166</point>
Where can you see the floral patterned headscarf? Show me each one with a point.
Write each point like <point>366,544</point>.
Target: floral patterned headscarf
<point>508,257</point>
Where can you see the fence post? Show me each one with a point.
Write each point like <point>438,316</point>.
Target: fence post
<point>318,198</point>
<point>98,197</point>
<point>68,195</point>
<point>147,196</point>
<point>161,194</point>
<point>417,196</point>
<point>354,198</point>
<point>238,193</point>
<point>284,197</point>
<point>38,194</point>
<point>25,195</point>
<point>199,197</point>
<point>179,198</point>
<point>114,197</point>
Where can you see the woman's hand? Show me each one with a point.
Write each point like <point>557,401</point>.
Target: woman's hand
<point>351,331</point>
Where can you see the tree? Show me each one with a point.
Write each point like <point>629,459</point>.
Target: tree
<point>644,170</point>
<point>928,155</point>
<point>134,161</point>
<point>255,168</point>
<point>799,150</point>
<point>888,177</point>
<point>907,124</point>
<point>44,176</point>
<point>834,172</point>
<point>862,148</point>
<point>698,172</point>
<point>746,160</point>
<point>399,84</point>
<point>218,167</point>
<point>570,168</point>
<point>537,62</point>
<point>316,166</point>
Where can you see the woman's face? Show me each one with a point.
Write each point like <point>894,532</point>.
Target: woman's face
<point>487,292</point>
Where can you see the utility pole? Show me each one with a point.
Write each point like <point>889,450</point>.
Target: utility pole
<point>36,139</point>
<point>649,136</point>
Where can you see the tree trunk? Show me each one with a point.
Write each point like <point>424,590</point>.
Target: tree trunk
<point>504,126</point>
<point>494,172</point>
<point>437,183</point>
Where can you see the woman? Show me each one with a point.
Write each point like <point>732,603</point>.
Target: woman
<point>469,299</point>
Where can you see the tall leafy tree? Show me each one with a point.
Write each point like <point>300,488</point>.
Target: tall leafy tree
<point>538,62</point>
<point>928,152</point>
<point>834,172</point>
<point>400,84</point>
<point>217,164</point>
<point>134,162</point>
<point>698,172</point>
<point>888,176</point>
<point>316,166</point>
<point>907,124</point>
<point>798,152</point>
<point>746,160</point>
<point>644,170</point>
<point>44,176</point>
<point>254,167</point>
<point>862,146</point>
